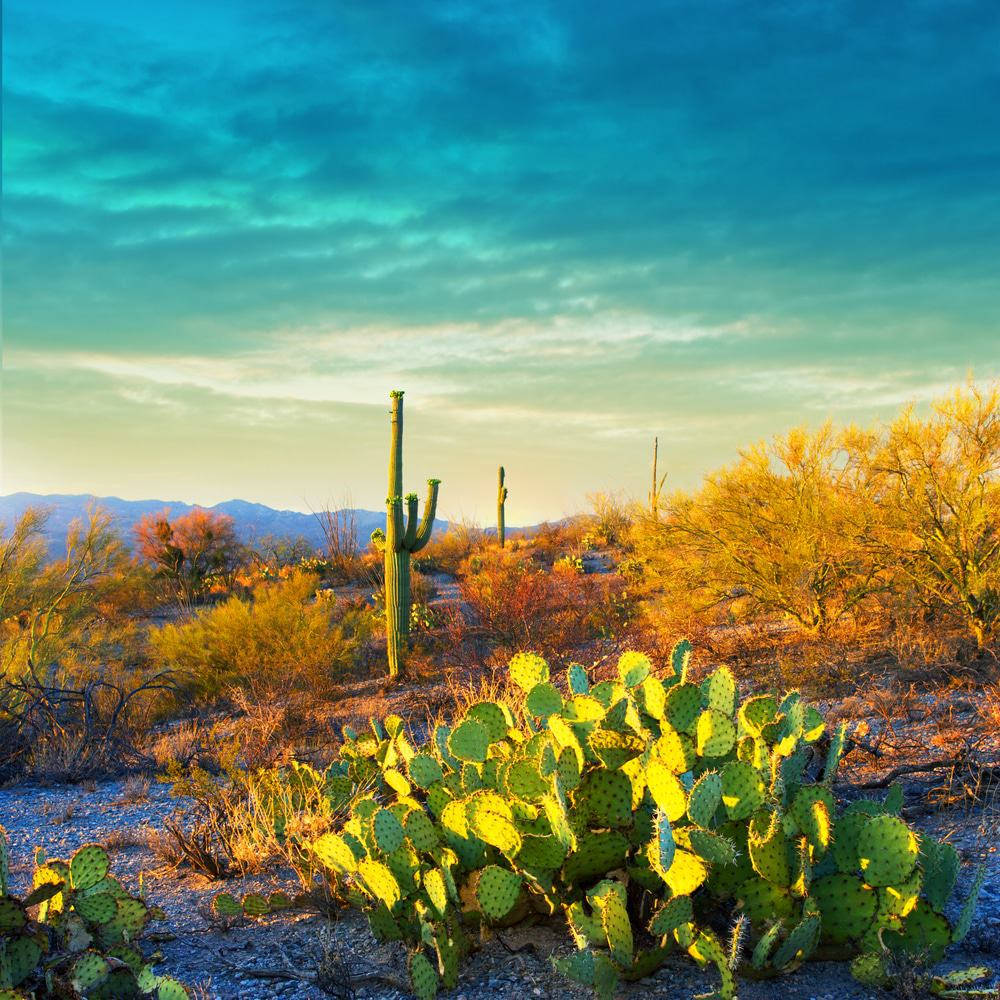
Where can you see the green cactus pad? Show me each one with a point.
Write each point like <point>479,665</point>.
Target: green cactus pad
<point>713,848</point>
<point>666,789</point>
<point>497,891</point>
<point>675,750</point>
<point>498,831</point>
<point>527,670</point>
<point>762,901</point>
<point>424,770</point>
<point>543,700</point>
<point>887,850</point>
<point>469,741</point>
<point>524,780</point>
<point>255,905</point>
<point>846,831</point>
<point>719,691</point>
<point>96,908</point>
<point>131,915</point>
<point>595,855</point>
<point>799,944</point>
<point>761,955</point>
<point>12,915</point>
<point>847,906</point>
<point>613,749</point>
<point>495,719</point>
<point>705,798</point>
<point>969,906</point>
<point>633,668</point>
<point>706,948</point>
<point>334,853</point>
<point>388,831</point>
<point>812,809</point>
<point>742,790</point>
<point>423,977</point>
<point>380,882</point>
<point>755,713</point>
<point>383,926</point>
<point>447,953</point>
<point>579,966</point>
<point>940,866</point>
<point>607,798</point>
<point>770,851</point>
<point>924,933</point>
<point>686,873</point>
<point>89,970</point>
<point>716,734</point>
<point>541,853</point>
<point>869,970</point>
<point>665,845</point>
<point>680,657</point>
<point>436,890</point>
<point>616,925</point>
<point>683,706</point>
<point>671,915</point>
<point>420,830</point>
<point>18,958</point>
<point>88,866</point>
<point>577,680</point>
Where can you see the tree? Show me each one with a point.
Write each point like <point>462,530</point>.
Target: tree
<point>189,551</point>
<point>45,607</point>
<point>779,531</point>
<point>941,524</point>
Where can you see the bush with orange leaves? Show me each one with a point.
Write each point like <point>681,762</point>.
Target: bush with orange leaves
<point>191,552</point>
<point>511,603</point>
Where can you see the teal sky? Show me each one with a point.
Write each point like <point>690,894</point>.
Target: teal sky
<point>230,228</point>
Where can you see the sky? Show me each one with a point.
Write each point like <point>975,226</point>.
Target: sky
<point>231,228</point>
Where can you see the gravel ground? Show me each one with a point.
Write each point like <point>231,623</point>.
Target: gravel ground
<point>202,953</point>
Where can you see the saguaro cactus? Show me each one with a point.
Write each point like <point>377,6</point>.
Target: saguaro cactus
<point>657,486</point>
<point>401,538</point>
<point>501,500</point>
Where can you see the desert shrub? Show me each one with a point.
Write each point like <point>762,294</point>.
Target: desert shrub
<point>445,553</point>
<point>75,690</point>
<point>551,541</point>
<point>86,938</point>
<point>646,811</point>
<point>191,552</point>
<point>282,639</point>
<point>940,525</point>
<point>512,603</point>
<point>610,520</point>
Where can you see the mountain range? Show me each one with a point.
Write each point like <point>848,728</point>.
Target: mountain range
<point>252,520</point>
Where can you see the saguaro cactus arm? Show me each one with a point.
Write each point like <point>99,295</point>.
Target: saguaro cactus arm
<point>411,521</point>
<point>427,521</point>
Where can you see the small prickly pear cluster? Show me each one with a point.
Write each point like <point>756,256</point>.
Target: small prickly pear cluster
<point>227,907</point>
<point>641,811</point>
<point>84,936</point>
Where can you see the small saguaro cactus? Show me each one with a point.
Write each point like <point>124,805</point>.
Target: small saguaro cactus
<point>402,537</point>
<point>501,500</point>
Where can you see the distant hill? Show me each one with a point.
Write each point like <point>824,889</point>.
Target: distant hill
<point>252,520</point>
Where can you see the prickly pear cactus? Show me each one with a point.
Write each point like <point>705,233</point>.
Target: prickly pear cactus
<point>82,940</point>
<point>634,809</point>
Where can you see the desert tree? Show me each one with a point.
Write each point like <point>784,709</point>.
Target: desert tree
<point>941,508</point>
<point>778,532</point>
<point>189,551</point>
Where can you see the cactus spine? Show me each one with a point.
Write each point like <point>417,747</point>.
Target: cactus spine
<point>402,537</point>
<point>501,500</point>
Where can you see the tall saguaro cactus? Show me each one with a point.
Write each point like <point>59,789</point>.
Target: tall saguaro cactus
<point>657,487</point>
<point>401,538</point>
<point>501,500</point>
